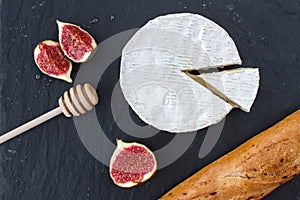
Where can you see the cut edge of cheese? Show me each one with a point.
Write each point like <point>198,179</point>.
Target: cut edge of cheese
<point>214,90</point>
<point>244,79</point>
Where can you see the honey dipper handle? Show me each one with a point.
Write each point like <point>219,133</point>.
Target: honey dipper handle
<point>21,129</point>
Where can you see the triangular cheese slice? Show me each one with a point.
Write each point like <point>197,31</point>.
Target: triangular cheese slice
<point>239,86</point>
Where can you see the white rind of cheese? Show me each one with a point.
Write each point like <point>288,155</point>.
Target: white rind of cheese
<point>166,98</point>
<point>153,83</point>
<point>190,36</point>
<point>239,85</point>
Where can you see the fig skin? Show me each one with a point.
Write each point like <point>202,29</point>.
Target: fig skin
<point>66,74</point>
<point>120,147</point>
<point>87,54</point>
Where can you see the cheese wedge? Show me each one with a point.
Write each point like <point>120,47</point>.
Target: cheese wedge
<point>152,65</point>
<point>239,85</point>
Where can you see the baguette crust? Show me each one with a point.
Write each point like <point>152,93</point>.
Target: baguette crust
<point>252,170</point>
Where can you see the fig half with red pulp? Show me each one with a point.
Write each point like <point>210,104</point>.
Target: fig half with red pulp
<point>50,59</point>
<point>131,164</point>
<point>76,43</point>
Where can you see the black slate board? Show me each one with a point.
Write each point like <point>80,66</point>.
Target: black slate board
<point>50,162</point>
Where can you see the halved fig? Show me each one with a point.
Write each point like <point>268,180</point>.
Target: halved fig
<point>76,43</point>
<point>131,164</point>
<point>50,59</point>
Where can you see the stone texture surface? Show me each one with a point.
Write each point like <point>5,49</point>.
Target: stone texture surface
<point>50,162</point>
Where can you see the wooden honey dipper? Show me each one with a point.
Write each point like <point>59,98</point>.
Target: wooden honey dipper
<point>78,100</point>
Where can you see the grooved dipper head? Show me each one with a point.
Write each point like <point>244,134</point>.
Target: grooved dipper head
<point>78,100</point>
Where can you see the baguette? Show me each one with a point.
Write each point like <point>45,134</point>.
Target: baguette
<point>252,170</point>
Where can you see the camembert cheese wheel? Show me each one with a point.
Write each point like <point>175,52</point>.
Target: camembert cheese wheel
<point>152,75</point>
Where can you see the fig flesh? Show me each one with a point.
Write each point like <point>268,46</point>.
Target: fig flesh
<point>131,164</point>
<point>76,43</point>
<point>50,59</point>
